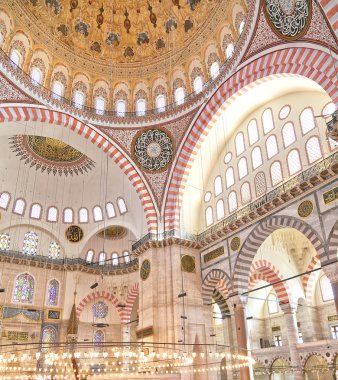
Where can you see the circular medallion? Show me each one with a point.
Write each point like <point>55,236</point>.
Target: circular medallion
<point>145,270</point>
<point>288,18</point>
<point>100,310</point>
<point>305,209</point>
<point>153,149</point>
<point>188,263</point>
<point>235,243</point>
<point>113,233</point>
<point>74,234</point>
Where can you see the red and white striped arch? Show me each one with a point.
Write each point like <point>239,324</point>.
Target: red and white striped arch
<point>108,297</point>
<point>309,280</point>
<point>96,137</point>
<point>330,8</point>
<point>294,61</point>
<point>265,271</point>
<point>132,295</point>
<point>215,279</point>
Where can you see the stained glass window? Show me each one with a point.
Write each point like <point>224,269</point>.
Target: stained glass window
<point>30,243</point>
<point>98,337</point>
<point>24,288</point>
<point>48,337</point>
<point>100,309</point>
<point>5,240</point>
<point>53,293</point>
<point>53,250</point>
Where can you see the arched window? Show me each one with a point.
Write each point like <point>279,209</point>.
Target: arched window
<point>100,105</point>
<point>121,205</point>
<point>284,112</point>
<point>198,84</point>
<point>242,168</point>
<point>57,89</point>
<point>110,209</point>
<point>98,337</point>
<point>126,257</point>
<point>79,99</point>
<point>4,200</point>
<point>36,76</point>
<point>68,215</point>
<point>121,108</point>
<point>83,215</point>
<point>24,288</point>
<point>256,157</point>
<point>260,184</point>
<point>239,143</point>
<point>272,304</point>
<point>115,259</point>
<point>267,120</point>
<point>15,57</point>
<point>52,214</point>
<point>30,244</point>
<point>53,293</point>
<point>217,314</point>
<point>36,211</point>
<point>294,163</point>
<point>179,95</point>
<point>241,27</point>
<point>90,256</point>
<point>218,185</point>
<point>229,177</point>
<point>253,132</point>
<point>276,173</point>
<point>48,337</point>
<point>19,206</point>
<point>329,109</point>
<point>232,199</point>
<point>271,146</point>
<point>160,103</point>
<point>97,213</point>
<point>53,250</point>
<point>288,133</point>
<point>5,241</point>
<point>102,258</point>
<point>229,51</point>
<point>141,107</point>
<point>209,219</point>
<point>326,289</point>
<point>214,70</point>
<point>313,150</point>
<point>220,212</point>
<point>307,120</point>
<point>245,192</point>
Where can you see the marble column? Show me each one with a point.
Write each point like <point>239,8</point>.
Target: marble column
<point>292,332</point>
<point>331,271</point>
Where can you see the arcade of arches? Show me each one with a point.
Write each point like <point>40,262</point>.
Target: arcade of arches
<point>168,189</point>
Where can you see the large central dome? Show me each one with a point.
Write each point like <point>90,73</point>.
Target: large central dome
<point>124,31</point>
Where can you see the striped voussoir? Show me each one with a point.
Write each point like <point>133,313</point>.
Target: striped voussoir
<point>215,279</point>
<point>256,238</point>
<point>333,244</point>
<point>309,280</point>
<point>265,271</point>
<point>292,62</point>
<point>132,295</point>
<point>38,114</point>
<point>99,294</point>
<point>330,8</point>
<point>221,302</point>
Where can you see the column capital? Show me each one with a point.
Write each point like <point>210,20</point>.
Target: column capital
<point>288,308</point>
<point>237,301</point>
<point>331,271</point>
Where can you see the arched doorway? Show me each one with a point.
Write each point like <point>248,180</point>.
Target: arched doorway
<point>316,368</point>
<point>280,370</point>
<point>260,371</point>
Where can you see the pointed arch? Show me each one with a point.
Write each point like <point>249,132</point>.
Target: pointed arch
<point>131,298</point>
<point>96,137</point>
<point>278,63</point>
<point>309,280</point>
<point>215,279</point>
<point>332,244</point>
<point>258,235</point>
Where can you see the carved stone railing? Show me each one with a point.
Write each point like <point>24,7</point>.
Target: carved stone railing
<point>82,265</point>
<point>309,178</point>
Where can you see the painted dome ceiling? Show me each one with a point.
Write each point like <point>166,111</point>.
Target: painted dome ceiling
<point>124,30</point>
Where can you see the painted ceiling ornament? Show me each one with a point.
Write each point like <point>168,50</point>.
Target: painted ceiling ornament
<point>170,25</point>
<point>81,27</point>
<point>113,39</point>
<point>113,233</point>
<point>177,3</point>
<point>128,52</point>
<point>289,19</point>
<point>193,4</point>
<point>63,29</point>
<point>153,149</point>
<point>73,4</point>
<point>50,155</point>
<point>96,47</point>
<point>142,38</point>
<point>160,44</point>
<point>152,16</point>
<point>188,24</point>
<point>127,23</point>
<point>55,5</point>
<point>100,18</point>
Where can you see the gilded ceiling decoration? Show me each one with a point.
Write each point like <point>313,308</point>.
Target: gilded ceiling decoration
<point>305,209</point>
<point>126,30</point>
<point>145,269</point>
<point>153,149</point>
<point>288,18</point>
<point>113,233</point>
<point>50,155</point>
